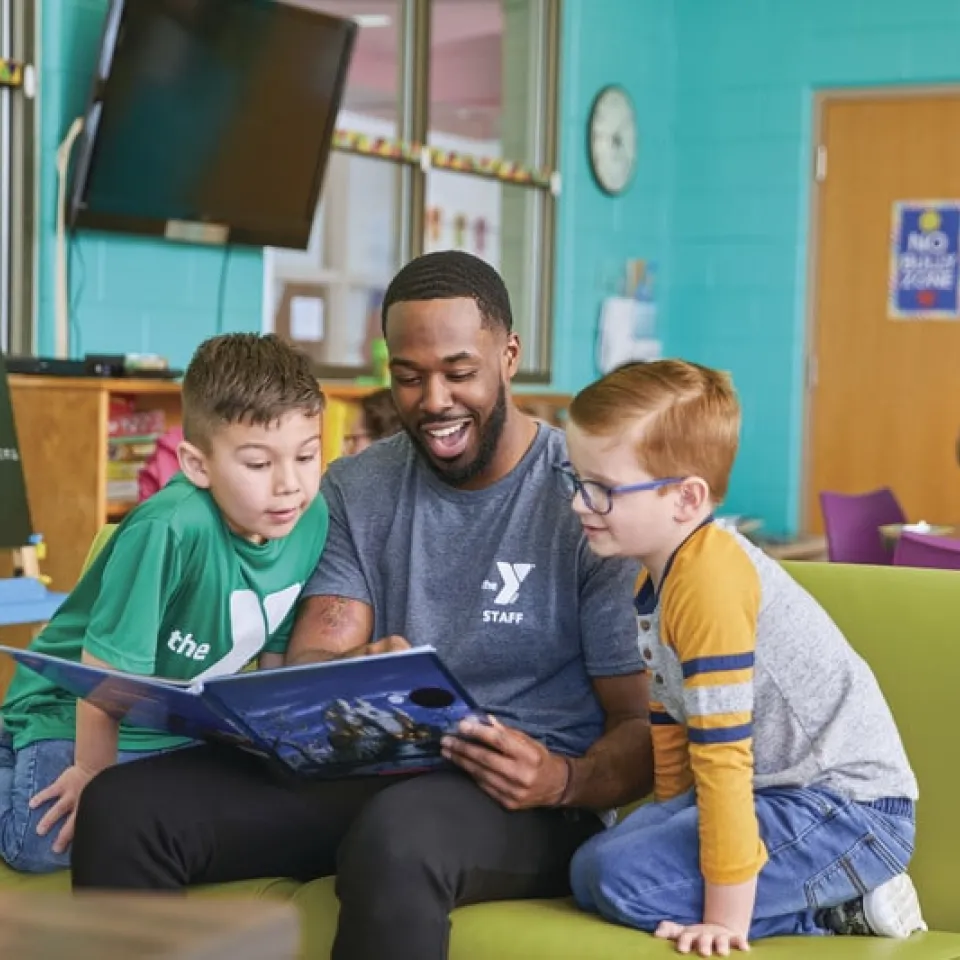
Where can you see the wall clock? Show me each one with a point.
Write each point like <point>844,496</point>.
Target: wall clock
<point>612,139</point>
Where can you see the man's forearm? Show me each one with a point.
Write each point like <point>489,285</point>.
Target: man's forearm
<point>329,628</point>
<point>391,644</point>
<point>317,655</point>
<point>617,769</point>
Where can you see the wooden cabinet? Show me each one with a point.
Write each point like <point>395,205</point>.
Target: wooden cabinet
<point>62,425</point>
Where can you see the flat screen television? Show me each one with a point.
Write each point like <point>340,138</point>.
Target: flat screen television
<point>211,120</point>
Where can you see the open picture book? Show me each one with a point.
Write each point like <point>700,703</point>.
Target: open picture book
<point>368,715</point>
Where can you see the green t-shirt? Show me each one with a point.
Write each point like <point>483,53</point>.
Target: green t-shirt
<point>173,594</point>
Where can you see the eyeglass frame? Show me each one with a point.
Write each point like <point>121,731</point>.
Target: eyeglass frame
<point>579,486</point>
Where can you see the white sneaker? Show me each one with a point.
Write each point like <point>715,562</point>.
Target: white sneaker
<point>893,909</point>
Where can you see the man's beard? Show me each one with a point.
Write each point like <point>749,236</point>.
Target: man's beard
<point>490,435</point>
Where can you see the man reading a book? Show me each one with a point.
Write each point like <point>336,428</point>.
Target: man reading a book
<point>453,533</point>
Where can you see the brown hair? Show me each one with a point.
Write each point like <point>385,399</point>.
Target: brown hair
<point>689,417</point>
<point>246,377</point>
<point>380,414</point>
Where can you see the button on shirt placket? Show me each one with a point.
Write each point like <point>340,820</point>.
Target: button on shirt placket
<point>656,658</point>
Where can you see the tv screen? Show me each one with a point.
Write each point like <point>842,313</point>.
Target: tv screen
<point>211,120</point>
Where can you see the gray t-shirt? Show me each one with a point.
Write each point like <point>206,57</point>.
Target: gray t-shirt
<point>501,581</point>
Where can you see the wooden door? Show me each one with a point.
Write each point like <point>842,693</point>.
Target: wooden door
<point>883,394</point>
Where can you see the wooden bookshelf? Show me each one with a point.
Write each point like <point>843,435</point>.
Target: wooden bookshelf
<point>62,425</point>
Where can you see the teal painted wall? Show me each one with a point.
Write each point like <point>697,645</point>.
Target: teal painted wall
<point>631,43</point>
<point>128,294</point>
<point>746,74</point>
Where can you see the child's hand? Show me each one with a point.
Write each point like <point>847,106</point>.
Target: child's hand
<point>66,790</point>
<point>707,939</point>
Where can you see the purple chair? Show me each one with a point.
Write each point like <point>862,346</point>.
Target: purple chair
<point>852,524</point>
<point>924,550</point>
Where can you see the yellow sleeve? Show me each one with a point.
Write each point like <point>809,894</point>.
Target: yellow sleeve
<point>671,759</point>
<point>711,605</point>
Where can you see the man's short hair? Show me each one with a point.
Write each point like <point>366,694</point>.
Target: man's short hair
<point>452,275</point>
<point>246,377</point>
<point>688,418</point>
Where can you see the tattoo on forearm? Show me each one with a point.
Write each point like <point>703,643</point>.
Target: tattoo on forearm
<point>335,613</point>
<point>329,627</point>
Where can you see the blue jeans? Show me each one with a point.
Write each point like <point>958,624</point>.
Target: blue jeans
<point>22,774</point>
<point>823,850</point>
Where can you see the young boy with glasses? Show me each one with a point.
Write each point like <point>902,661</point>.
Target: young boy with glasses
<point>784,801</point>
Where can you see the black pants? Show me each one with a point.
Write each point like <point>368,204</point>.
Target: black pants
<point>405,851</point>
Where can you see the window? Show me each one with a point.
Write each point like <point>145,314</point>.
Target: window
<point>17,190</point>
<point>475,82</point>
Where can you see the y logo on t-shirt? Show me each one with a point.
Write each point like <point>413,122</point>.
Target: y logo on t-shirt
<point>251,626</point>
<point>512,574</point>
<point>507,591</point>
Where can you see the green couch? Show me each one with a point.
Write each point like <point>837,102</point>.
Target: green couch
<point>878,608</point>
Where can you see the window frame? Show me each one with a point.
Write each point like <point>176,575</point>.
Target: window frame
<point>18,184</point>
<point>413,162</point>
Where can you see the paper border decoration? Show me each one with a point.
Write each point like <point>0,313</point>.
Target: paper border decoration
<point>408,151</point>
<point>349,141</point>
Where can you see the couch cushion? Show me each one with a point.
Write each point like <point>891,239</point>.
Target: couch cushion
<point>555,929</point>
<point>276,888</point>
<point>59,882</point>
<point>319,908</point>
<point>904,622</point>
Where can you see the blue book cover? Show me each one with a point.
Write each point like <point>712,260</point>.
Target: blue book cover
<point>362,716</point>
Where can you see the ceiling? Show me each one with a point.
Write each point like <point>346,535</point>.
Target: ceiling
<point>465,58</point>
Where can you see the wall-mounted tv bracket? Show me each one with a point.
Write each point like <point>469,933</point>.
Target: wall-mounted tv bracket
<point>19,76</point>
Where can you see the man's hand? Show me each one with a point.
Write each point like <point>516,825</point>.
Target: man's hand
<point>391,644</point>
<point>517,771</point>
<point>66,790</point>
<point>706,939</point>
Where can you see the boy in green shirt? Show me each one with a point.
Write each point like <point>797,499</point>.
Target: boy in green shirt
<point>198,581</point>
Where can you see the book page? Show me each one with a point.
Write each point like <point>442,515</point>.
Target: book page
<point>362,716</point>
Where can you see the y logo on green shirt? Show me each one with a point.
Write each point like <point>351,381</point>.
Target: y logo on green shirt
<point>251,626</point>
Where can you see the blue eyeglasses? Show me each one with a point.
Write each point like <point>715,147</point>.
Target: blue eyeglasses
<point>599,497</point>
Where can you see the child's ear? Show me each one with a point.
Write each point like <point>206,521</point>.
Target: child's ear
<point>694,495</point>
<point>193,463</point>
